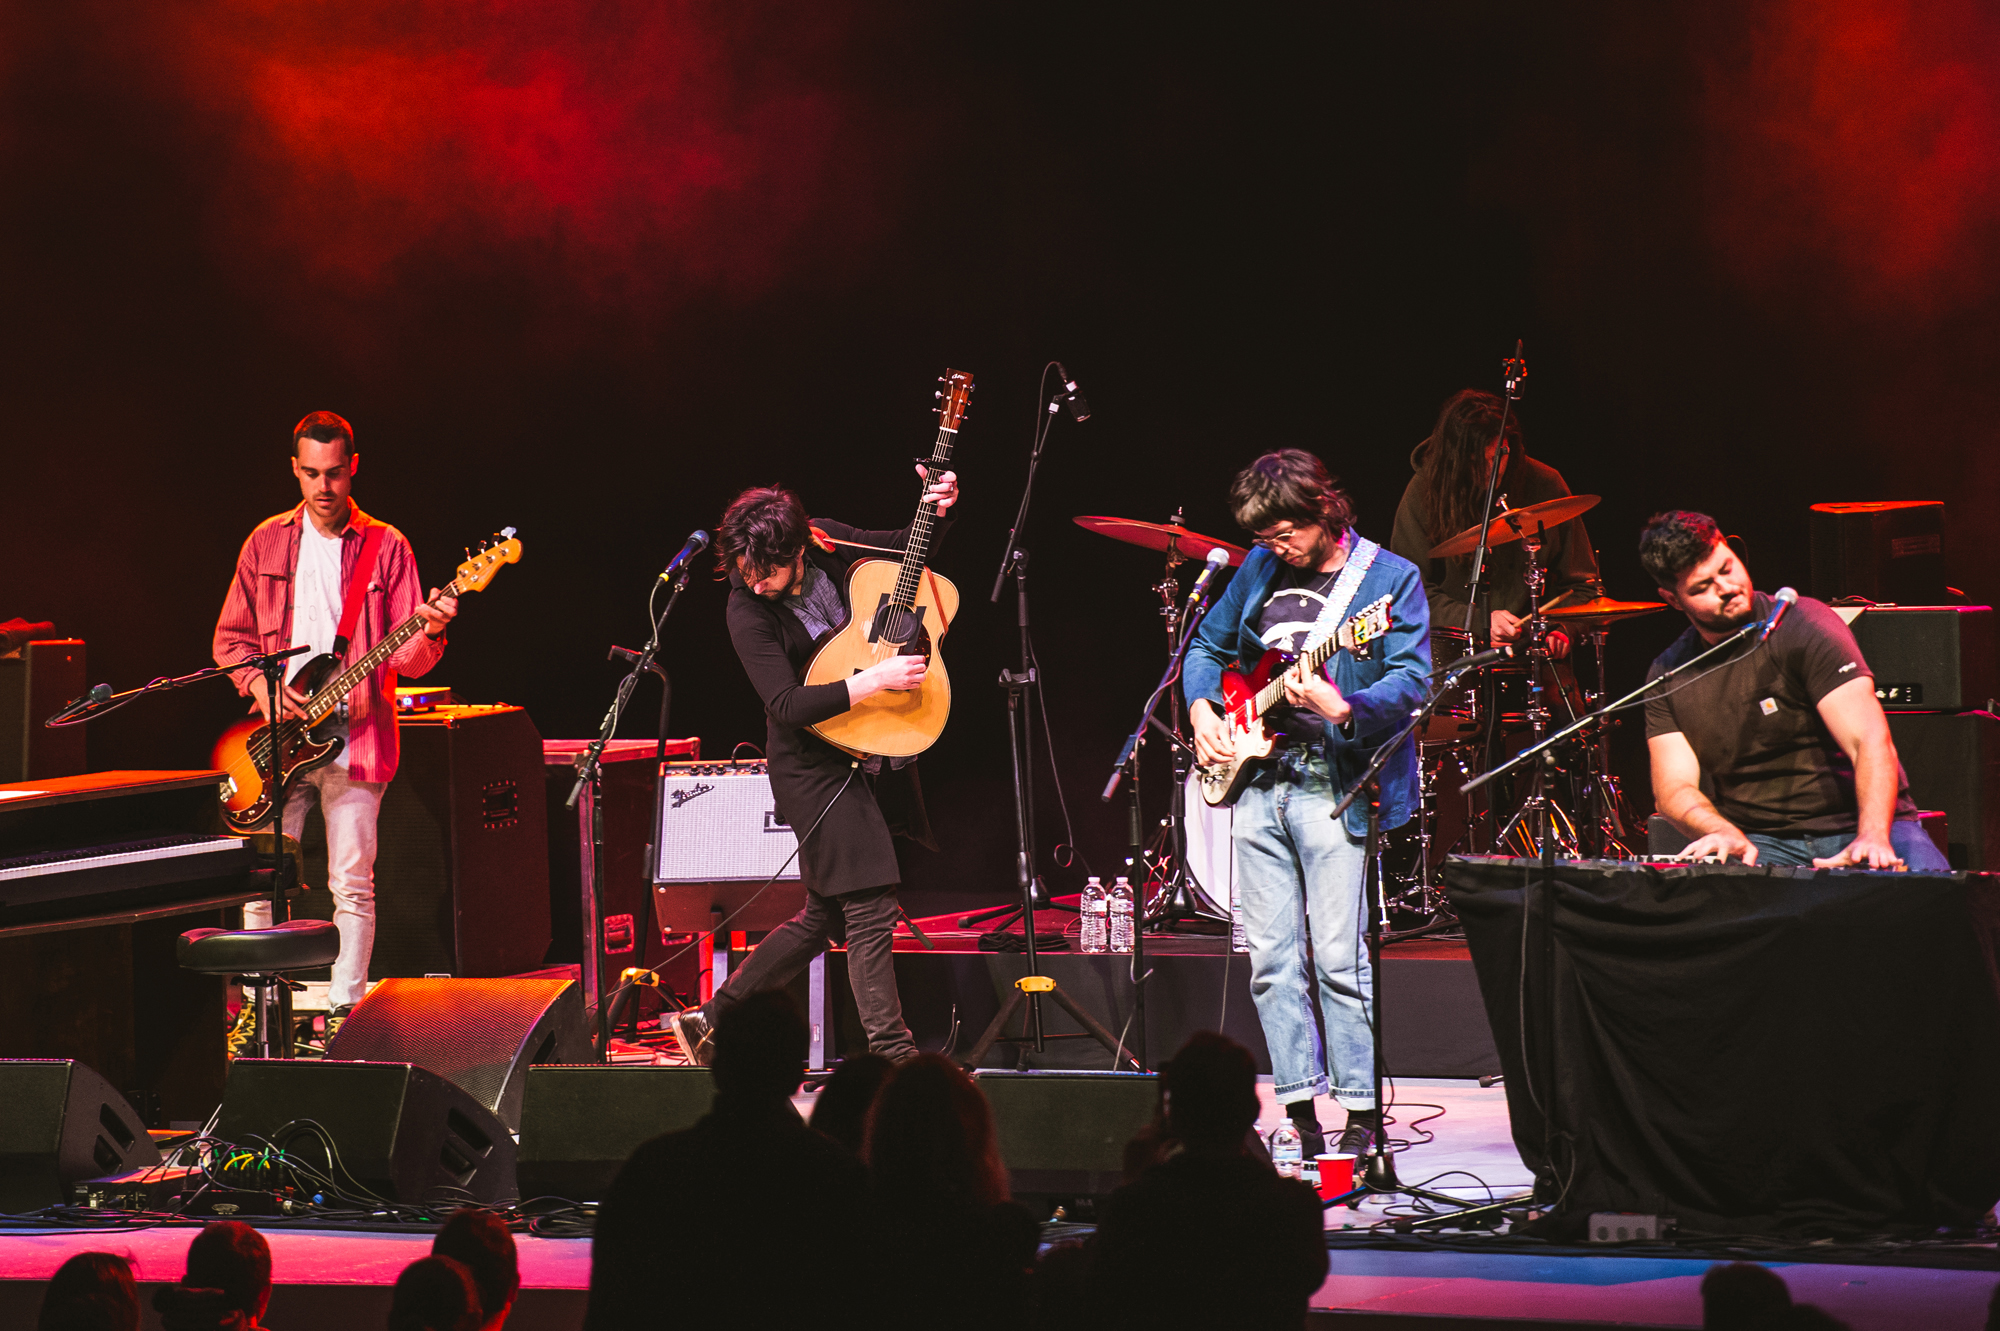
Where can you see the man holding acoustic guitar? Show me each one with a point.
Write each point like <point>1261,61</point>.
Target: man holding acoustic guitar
<point>797,593</point>
<point>328,576</point>
<point>1296,869</point>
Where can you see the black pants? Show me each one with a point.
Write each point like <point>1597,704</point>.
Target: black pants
<point>866,921</point>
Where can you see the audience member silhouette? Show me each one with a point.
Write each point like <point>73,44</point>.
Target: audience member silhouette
<point>434,1294</point>
<point>1210,1235</point>
<point>92,1291</point>
<point>1742,1296</point>
<point>478,1240</point>
<point>748,1218</point>
<point>841,1111</point>
<point>953,1246</point>
<point>227,1285</point>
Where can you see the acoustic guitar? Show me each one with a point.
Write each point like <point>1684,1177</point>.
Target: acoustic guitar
<point>898,608</point>
<point>1247,698</point>
<point>244,749</point>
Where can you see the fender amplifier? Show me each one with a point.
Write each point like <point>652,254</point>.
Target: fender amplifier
<point>719,824</point>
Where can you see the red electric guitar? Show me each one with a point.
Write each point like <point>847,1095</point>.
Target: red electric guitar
<point>1246,698</point>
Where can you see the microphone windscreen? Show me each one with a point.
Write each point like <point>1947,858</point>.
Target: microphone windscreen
<point>1218,557</point>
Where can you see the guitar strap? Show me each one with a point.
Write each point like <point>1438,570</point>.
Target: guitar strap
<point>1343,591</point>
<point>357,589</point>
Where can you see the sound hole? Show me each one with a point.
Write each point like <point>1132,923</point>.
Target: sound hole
<point>896,624</point>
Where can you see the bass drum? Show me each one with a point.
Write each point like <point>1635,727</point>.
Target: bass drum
<point>1211,857</point>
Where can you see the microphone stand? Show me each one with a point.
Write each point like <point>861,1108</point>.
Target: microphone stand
<point>590,772</point>
<point>1477,597</point>
<point>1023,697</point>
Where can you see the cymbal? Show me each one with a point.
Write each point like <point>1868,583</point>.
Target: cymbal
<point>1602,610</point>
<point>1510,525</point>
<point>1161,536</point>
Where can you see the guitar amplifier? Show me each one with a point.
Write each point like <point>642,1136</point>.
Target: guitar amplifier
<point>719,824</point>
<point>720,839</point>
<point>1929,658</point>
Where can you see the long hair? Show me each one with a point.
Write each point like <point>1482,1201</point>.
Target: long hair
<point>1454,470</point>
<point>930,1138</point>
<point>1289,485</point>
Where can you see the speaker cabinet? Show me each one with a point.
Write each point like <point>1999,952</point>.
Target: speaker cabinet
<point>1885,551</point>
<point>579,1125</point>
<point>1929,658</point>
<point>462,872</point>
<point>34,685</point>
<point>1953,762</point>
<point>60,1122</point>
<point>1063,1134</point>
<point>481,1034</point>
<point>401,1132</point>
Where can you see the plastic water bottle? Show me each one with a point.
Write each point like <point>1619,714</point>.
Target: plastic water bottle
<point>1121,915</point>
<point>1096,916</point>
<point>1287,1155</point>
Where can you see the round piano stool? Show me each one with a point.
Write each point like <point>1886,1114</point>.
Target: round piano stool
<point>260,959</point>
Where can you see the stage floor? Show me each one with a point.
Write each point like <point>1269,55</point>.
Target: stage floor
<point>337,1280</point>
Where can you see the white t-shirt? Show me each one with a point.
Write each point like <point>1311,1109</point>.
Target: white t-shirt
<point>316,598</point>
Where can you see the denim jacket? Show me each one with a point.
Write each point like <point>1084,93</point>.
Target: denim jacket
<point>1383,690</point>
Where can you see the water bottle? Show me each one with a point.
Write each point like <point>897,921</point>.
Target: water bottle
<point>1121,915</point>
<point>1096,931</point>
<point>1287,1155</point>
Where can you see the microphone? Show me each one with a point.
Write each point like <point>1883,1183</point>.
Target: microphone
<point>1786,598</point>
<point>1079,410</point>
<point>1474,661</point>
<point>695,545</point>
<point>1218,559</point>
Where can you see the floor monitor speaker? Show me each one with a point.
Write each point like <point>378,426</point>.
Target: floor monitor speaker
<point>34,684</point>
<point>579,1125</point>
<point>60,1122</point>
<point>481,1034</point>
<point>1063,1134</point>
<point>400,1131</point>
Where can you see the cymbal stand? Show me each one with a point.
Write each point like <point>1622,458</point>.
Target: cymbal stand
<point>1180,899</point>
<point>1548,823</point>
<point>1608,829</point>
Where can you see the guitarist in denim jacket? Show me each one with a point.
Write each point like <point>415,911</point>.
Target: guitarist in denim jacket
<point>1297,869</point>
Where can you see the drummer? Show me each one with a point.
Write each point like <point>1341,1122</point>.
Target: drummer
<point>1444,499</point>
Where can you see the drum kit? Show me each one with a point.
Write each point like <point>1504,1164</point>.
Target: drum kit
<point>1492,712</point>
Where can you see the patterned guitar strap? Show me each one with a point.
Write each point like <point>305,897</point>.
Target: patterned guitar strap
<point>1343,591</point>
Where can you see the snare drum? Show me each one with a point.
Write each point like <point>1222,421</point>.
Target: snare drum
<point>1457,716</point>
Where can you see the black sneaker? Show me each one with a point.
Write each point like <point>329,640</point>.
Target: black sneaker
<point>1356,1139</point>
<point>695,1034</point>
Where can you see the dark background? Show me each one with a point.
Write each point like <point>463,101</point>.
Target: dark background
<point>589,269</point>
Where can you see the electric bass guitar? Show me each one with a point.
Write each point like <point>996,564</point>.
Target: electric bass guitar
<point>898,609</point>
<point>243,752</point>
<point>1247,698</point>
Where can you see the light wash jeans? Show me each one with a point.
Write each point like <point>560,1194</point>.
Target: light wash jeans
<point>1295,865</point>
<point>1907,835</point>
<point>349,808</point>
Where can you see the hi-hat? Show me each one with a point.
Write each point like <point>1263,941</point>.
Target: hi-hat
<point>1599,611</point>
<point>1516,523</point>
<point>1176,541</point>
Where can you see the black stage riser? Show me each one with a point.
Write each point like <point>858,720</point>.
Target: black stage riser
<point>1436,1022</point>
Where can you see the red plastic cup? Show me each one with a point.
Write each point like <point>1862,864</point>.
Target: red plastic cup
<point>1336,1176</point>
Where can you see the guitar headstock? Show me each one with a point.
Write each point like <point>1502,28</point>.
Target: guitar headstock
<point>1371,622</point>
<point>480,565</point>
<point>953,399</point>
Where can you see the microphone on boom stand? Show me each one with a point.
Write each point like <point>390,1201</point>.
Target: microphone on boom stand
<point>1072,397</point>
<point>696,543</point>
<point>1784,600</point>
<point>1218,559</point>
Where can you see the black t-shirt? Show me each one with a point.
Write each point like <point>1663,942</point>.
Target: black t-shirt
<point>1285,623</point>
<point>1766,755</point>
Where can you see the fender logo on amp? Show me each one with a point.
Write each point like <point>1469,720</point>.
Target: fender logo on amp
<point>681,797</point>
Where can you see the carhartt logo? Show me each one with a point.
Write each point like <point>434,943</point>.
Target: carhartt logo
<point>1770,706</point>
<point>683,796</point>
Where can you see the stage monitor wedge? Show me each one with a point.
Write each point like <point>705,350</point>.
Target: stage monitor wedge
<point>579,1125</point>
<point>61,1122</point>
<point>1063,1134</point>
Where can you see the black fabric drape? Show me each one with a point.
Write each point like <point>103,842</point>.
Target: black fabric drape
<point>1748,1050</point>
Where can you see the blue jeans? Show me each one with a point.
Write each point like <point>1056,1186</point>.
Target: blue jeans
<point>1907,835</point>
<point>1295,865</point>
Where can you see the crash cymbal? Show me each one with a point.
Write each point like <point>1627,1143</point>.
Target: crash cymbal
<point>1161,536</point>
<point>1510,525</point>
<point>1601,610</point>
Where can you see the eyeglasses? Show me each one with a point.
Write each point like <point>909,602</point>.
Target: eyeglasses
<point>1276,539</point>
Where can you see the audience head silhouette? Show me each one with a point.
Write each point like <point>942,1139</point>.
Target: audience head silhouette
<point>1742,1296</point>
<point>434,1294</point>
<point>92,1291</point>
<point>478,1240</point>
<point>930,1138</point>
<point>227,1285</point>
<point>1209,1092</point>
<point>841,1112</point>
<point>760,1048</point>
